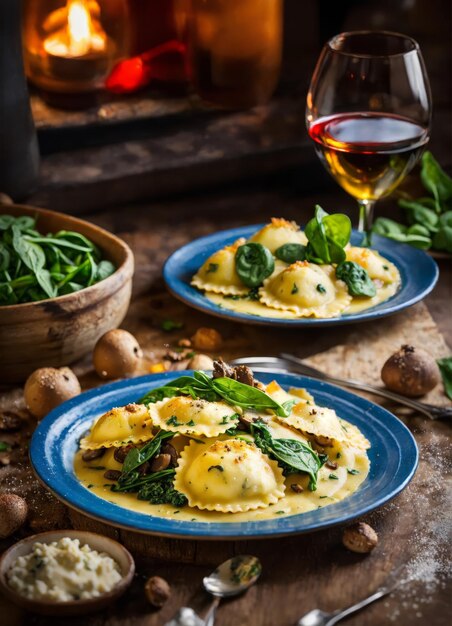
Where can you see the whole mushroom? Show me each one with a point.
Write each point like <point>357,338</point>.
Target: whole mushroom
<point>360,537</point>
<point>410,371</point>
<point>200,362</point>
<point>157,591</point>
<point>117,354</point>
<point>13,513</point>
<point>48,387</point>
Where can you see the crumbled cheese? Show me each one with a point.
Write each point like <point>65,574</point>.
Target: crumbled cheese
<point>63,570</point>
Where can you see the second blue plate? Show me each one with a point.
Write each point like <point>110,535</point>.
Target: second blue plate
<point>418,271</point>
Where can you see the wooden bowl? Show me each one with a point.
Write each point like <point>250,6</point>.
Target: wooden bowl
<point>73,607</point>
<point>58,331</point>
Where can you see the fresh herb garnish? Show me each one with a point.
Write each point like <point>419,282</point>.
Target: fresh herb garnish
<point>253,263</point>
<point>328,235</point>
<point>292,456</point>
<point>429,218</point>
<point>172,421</point>
<point>353,472</point>
<point>320,288</point>
<point>169,325</point>
<point>333,477</point>
<point>356,278</point>
<point>35,267</point>
<point>4,446</point>
<point>291,253</point>
<point>138,456</point>
<point>445,367</point>
<point>294,289</point>
<point>212,268</point>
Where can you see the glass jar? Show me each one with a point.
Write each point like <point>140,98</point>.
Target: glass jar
<point>234,50</point>
<point>71,45</point>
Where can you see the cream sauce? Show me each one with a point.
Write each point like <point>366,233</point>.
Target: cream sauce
<point>254,307</point>
<point>329,490</point>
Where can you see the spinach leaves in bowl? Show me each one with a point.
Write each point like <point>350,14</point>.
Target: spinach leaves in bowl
<point>35,267</point>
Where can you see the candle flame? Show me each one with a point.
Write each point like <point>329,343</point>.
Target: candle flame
<point>81,34</point>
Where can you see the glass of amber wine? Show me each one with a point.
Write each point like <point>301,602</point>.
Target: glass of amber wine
<point>369,112</point>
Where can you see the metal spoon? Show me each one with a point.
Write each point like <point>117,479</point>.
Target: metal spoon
<point>231,578</point>
<point>321,618</point>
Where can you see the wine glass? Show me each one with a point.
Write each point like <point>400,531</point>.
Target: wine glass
<point>369,113</point>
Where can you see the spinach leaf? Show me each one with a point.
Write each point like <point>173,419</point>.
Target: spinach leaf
<point>445,367</point>
<point>398,232</point>
<point>104,270</point>
<point>291,252</point>
<point>356,278</point>
<point>327,236</point>
<point>435,180</point>
<point>387,227</point>
<point>246,397</point>
<point>253,263</point>
<point>138,456</point>
<point>292,455</point>
<point>419,214</point>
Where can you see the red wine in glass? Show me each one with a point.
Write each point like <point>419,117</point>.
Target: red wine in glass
<point>368,153</point>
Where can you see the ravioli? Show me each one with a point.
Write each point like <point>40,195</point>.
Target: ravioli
<point>185,415</point>
<point>376,266</point>
<point>315,420</point>
<point>118,427</point>
<point>305,289</point>
<point>278,233</point>
<point>228,476</point>
<point>218,273</point>
<point>280,395</point>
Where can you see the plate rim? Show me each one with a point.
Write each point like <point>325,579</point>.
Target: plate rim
<point>198,301</point>
<point>203,530</point>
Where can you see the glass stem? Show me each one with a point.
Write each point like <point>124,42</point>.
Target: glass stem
<point>366,211</point>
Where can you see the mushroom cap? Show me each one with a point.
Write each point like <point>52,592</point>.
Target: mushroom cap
<point>410,371</point>
<point>13,513</point>
<point>116,354</point>
<point>47,387</point>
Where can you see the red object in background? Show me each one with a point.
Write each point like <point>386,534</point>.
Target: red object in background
<point>164,62</point>
<point>152,23</point>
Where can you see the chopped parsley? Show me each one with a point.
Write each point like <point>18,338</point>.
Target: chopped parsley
<point>353,472</point>
<point>212,268</point>
<point>190,423</point>
<point>333,477</point>
<point>294,289</point>
<point>320,288</point>
<point>385,267</point>
<point>90,486</point>
<point>338,455</point>
<point>4,446</point>
<point>169,325</point>
<point>172,421</point>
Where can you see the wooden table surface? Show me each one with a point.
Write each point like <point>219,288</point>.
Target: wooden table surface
<point>305,572</point>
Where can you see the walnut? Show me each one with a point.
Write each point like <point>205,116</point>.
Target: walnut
<point>157,591</point>
<point>207,339</point>
<point>360,537</point>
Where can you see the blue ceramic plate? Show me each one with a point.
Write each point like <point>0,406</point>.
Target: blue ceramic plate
<point>393,455</point>
<point>418,270</point>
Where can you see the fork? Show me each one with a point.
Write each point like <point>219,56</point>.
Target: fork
<point>287,362</point>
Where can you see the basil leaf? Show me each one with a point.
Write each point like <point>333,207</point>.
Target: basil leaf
<point>245,396</point>
<point>356,278</point>
<point>445,367</point>
<point>138,456</point>
<point>291,253</point>
<point>253,263</point>
<point>292,455</point>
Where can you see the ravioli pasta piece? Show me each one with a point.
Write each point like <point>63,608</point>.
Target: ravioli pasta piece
<point>185,415</point>
<point>376,266</point>
<point>218,273</point>
<point>304,289</point>
<point>118,427</point>
<point>277,233</point>
<point>315,420</point>
<point>354,436</point>
<point>229,476</point>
